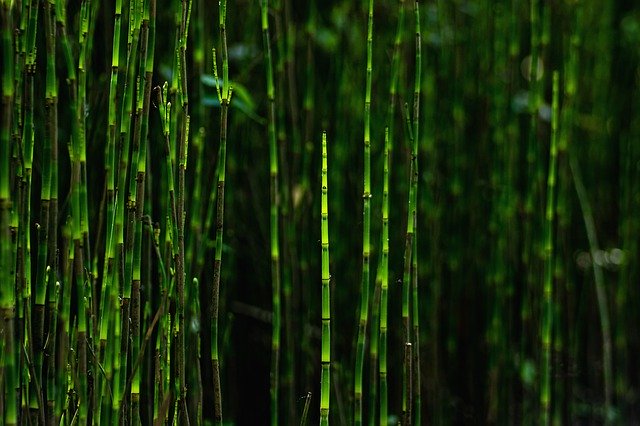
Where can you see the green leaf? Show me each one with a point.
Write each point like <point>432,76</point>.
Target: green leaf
<point>242,99</point>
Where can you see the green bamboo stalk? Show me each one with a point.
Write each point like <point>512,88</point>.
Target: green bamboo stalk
<point>81,206</point>
<point>374,326</point>
<point>51,386</point>
<point>84,55</point>
<point>417,401</point>
<point>384,266</point>
<point>305,410</point>
<point>499,380</point>
<point>274,216</point>
<point>80,261</point>
<point>366,230</point>
<point>66,341</point>
<point>547,310</point>
<point>46,210</point>
<point>9,356</point>
<point>224,96</point>
<point>326,294</point>
<point>408,384</point>
<point>108,290</point>
<point>124,210</point>
<point>285,368</point>
<point>171,250</point>
<point>51,121</point>
<point>20,53</point>
<point>47,265</point>
<point>116,337</point>
<point>384,286</point>
<point>183,413</point>
<point>196,373</point>
<point>161,353</point>
<point>172,247</point>
<point>533,223</point>
<point>417,408</point>
<point>137,191</point>
<point>28,134</point>
<point>25,66</point>
<point>406,280</point>
<point>104,409</point>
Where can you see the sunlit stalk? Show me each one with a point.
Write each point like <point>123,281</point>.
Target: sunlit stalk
<point>384,287</point>
<point>326,294</point>
<point>366,230</point>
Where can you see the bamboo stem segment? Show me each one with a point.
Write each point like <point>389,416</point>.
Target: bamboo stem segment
<point>326,294</point>
<point>366,231</point>
<point>274,216</point>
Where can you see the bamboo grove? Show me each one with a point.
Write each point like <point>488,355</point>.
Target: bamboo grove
<point>174,175</point>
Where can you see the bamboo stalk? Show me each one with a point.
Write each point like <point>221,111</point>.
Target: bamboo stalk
<point>406,280</point>
<point>24,283</point>
<point>124,209</point>
<point>384,287</point>
<point>108,291</point>
<point>147,44</point>
<point>183,413</point>
<point>326,294</point>
<point>366,230</point>
<point>8,356</point>
<point>224,96</point>
<point>415,317</point>
<point>548,302</point>
<point>274,217</point>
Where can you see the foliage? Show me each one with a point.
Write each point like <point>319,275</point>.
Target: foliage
<point>164,212</point>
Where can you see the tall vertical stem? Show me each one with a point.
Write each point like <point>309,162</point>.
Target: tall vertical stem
<point>225,98</point>
<point>8,356</point>
<point>384,286</point>
<point>326,295</point>
<point>547,300</point>
<point>366,229</point>
<point>414,273</point>
<point>274,217</point>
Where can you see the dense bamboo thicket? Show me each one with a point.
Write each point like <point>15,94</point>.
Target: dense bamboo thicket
<point>164,212</point>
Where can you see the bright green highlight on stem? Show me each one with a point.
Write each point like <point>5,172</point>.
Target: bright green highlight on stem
<point>384,288</point>
<point>326,293</point>
<point>366,230</point>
